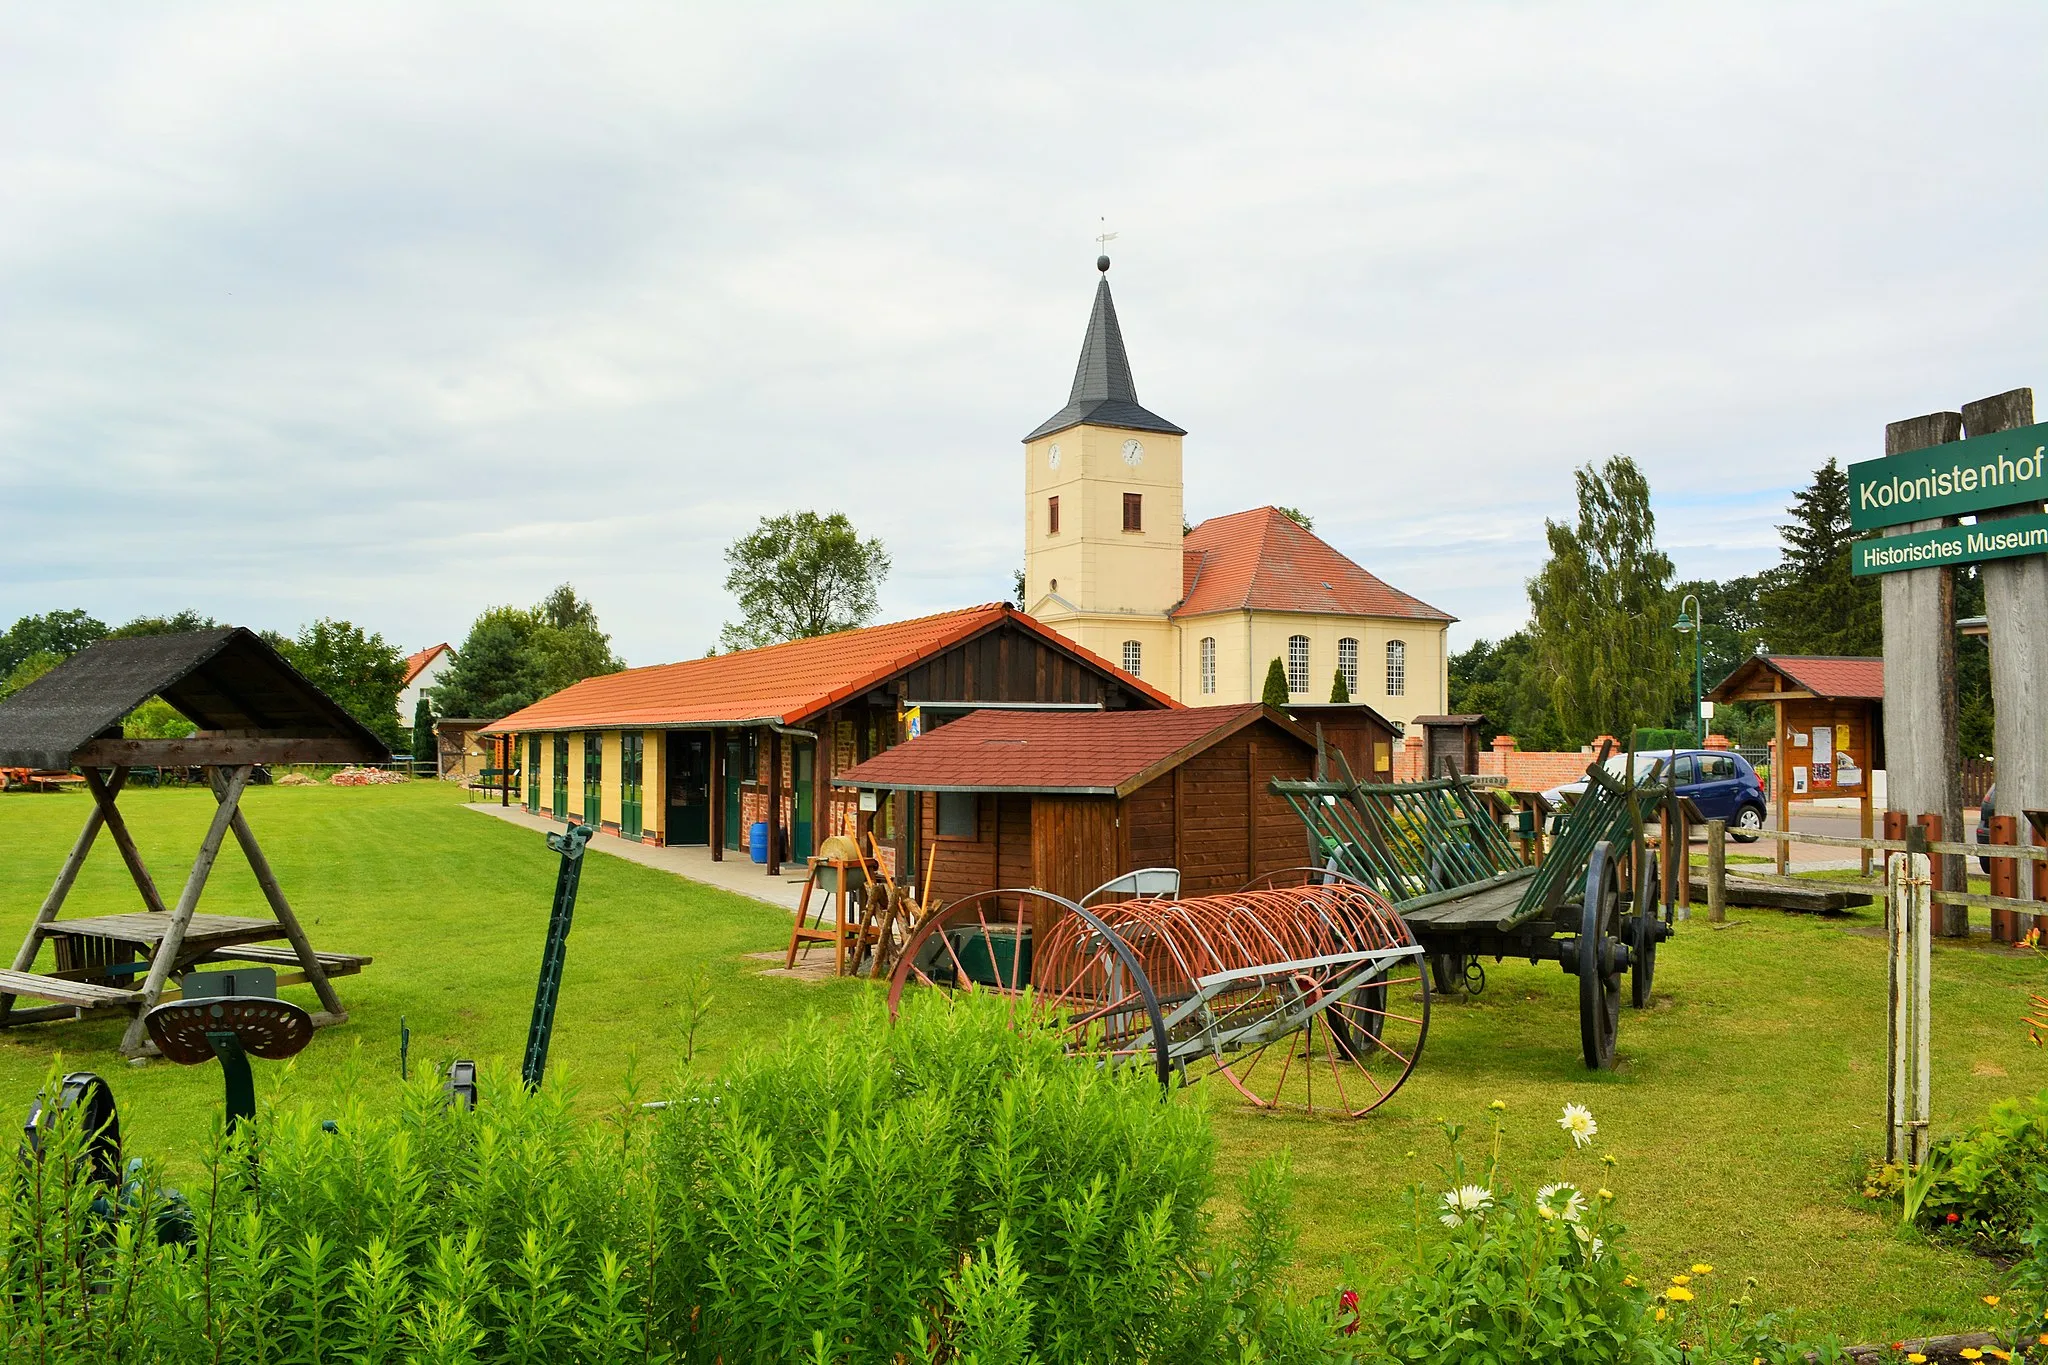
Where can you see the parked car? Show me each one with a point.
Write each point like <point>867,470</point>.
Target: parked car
<point>1984,823</point>
<point>1720,783</point>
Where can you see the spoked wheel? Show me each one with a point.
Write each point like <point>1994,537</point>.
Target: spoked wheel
<point>1448,973</point>
<point>1645,931</point>
<point>1057,964</point>
<point>1310,998</point>
<point>1598,964</point>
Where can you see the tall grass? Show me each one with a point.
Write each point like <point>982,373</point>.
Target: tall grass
<point>946,1189</point>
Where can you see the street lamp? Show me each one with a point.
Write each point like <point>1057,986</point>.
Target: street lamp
<point>1686,624</point>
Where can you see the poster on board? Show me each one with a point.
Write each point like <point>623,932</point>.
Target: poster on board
<point>1799,781</point>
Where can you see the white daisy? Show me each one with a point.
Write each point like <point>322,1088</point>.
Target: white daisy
<point>1561,1201</point>
<point>1467,1201</point>
<point>1578,1121</point>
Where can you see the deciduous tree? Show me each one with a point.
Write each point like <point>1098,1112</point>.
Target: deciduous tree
<point>360,669</point>
<point>62,633</point>
<point>801,575</point>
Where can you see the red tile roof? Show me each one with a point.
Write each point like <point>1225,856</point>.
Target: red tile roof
<point>1265,560</point>
<point>1829,677</point>
<point>415,662</point>
<point>781,683</point>
<point>1057,751</point>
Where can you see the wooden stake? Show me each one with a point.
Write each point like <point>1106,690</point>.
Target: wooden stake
<point>1717,871</point>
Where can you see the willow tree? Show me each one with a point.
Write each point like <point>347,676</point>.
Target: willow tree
<point>1603,610</point>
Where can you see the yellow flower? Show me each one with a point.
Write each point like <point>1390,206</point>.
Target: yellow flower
<point>1499,1106</point>
<point>1915,1358</point>
<point>1660,1315</point>
<point>1991,1299</point>
<point>1629,1280</point>
<point>1702,1269</point>
<point>1604,1194</point>
<point>1681,1279</point>
<point>1678,1293</point>
<point>1997,1354</point>
<point>1970,1353</point>
<point>1610,1160</point>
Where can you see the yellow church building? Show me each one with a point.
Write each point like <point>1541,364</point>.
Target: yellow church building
<point>1201,614</point>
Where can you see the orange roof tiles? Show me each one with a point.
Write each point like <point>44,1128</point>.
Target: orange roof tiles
<point>1056,751</point>
<point>415,662</point>
<point>781,683</point>
<point>1829,677</point>
<point>1266,561</point>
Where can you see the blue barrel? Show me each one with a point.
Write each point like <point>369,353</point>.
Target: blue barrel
<point>757,841</point>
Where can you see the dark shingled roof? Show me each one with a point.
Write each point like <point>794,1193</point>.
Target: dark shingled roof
<point>227,679</point>
<point>1104,394</point>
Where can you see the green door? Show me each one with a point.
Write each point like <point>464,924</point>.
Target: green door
<point>735,773</point>
<point>532,774</point>
<point>801,757</point>
<point>630,749</point>
<point>593,779</point>
<point>689,788</point>
<point>561,792</point>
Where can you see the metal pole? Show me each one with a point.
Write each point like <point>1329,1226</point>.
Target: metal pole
<point>569,843</point>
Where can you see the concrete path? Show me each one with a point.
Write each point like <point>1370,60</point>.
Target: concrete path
<point>736,873</point>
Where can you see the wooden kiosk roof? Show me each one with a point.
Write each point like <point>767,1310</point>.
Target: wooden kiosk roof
<point>1791,677</point>
<point>1082,753</point>
<point>783,684</point>
<point>250,705</point>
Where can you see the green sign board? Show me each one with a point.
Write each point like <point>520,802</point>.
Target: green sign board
<point>2000,539</point>
<point>2000,470</point>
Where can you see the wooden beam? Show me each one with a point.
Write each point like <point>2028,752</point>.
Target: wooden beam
<point>105,793</point>
<point>1920,741</point>
<point>2016,611</point>
<point>309,961</point>
<point>223,752</point>
<point>1795,694</point>
<point>25,956</point>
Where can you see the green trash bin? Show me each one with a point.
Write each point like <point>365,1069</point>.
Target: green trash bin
<point>989,956</point>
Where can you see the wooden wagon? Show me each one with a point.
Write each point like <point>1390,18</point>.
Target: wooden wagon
<point>1442,855</point>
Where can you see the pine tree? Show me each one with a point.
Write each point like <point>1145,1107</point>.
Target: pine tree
<point>1276,685</point>
<point>1338,691</point>
<point>1603,609</point>
<point>1815,604</point>
<point>423,745</point>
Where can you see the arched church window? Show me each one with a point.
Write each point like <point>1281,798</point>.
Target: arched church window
<point>1397,668</point>
<point>1208,665</point>
<point>1297,663</point>
<point>1134,658</point>
<point>1347,663</point>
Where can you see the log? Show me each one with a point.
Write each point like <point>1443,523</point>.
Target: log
<point>1772,894</point>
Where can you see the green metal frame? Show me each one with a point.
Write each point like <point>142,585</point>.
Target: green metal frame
<point>554,952</point>
<point>532,778</point>
<point>561,783</point>
<point>632,751</point>
<point>593,779</point>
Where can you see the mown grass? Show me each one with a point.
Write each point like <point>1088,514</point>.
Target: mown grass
<point>1746,1102</point>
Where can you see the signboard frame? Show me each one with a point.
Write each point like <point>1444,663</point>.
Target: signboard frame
<point>1950,479</point>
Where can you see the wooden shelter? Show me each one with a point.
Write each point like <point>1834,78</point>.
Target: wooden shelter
<point>1064,801</point>
<point>1450,744</point>
<point>252,708</point>
<point>1351,728</point>
<point>700,752</point>
<point>1829,727</point>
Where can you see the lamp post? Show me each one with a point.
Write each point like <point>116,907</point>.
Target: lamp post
<point>1695,625</point>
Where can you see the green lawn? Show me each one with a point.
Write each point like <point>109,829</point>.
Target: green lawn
<point>1745,1104</point>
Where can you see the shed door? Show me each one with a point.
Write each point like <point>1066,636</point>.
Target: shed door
<point>1074,843</point>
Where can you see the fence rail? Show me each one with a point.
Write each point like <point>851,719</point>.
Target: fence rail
<point>2018,852</point>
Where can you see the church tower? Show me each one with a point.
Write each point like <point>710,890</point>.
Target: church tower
<point>1102,511</point>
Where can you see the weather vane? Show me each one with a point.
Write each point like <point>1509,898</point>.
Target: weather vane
<point>1102,242</point>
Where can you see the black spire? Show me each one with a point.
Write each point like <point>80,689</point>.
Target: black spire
<point>1104,393</point>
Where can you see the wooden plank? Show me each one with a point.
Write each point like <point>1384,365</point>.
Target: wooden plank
<point>335,964</point>
<point>1920,741</point>
<point>2016,611</point>
<point>1775,895</point>
<point>224,751</point>
<point>82,994</point>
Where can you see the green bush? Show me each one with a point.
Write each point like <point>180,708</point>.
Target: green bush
<point>1648,737</point>
<point>1980,1186</point>
<point>947,1189</point>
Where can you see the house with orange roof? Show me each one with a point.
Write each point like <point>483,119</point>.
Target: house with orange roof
<point>1201,614</point>
<point>422,671</point>
<point>703,751</point>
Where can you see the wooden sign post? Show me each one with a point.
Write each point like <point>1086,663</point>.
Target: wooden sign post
<point>2016,610</point>
<point>1923,766</point>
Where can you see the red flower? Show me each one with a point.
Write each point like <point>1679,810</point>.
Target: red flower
<point>1955,1218</point>
<point>1348,1302</point>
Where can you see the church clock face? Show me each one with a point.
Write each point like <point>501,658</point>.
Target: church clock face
<point>1052,456</point>
<point>1134,454</point>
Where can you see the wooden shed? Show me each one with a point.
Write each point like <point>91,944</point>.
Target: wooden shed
<point>700,751</point>
<point>1351,728</point>
<point>1064,801</point>
<point>1830,729</point>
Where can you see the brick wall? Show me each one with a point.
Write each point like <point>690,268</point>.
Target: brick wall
<point>1531,771</point>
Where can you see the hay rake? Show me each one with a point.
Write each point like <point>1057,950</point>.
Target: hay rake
<point>1309,997</point>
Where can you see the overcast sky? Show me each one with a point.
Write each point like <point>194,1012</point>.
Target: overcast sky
<point>392,313</point>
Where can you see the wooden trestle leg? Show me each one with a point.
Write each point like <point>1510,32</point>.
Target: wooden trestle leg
<point>309,961</point>
<point>103,801</point>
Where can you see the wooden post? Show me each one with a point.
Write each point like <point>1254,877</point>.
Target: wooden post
<point>2037,822</point>
<point>2005,879</point>
<point>1717,871</point>
<point>1781,779</point>
<point>1869,813</point>
<point>718,774</point>
<point>2016,613</point>
<point>25,956</point>
<point>309,961</point>
<point>1921,757</point>
<point>166,956</point>
<point>774,802</point>
<point>1908,935</point>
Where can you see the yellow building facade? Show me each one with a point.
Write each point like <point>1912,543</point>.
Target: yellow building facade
<point>1201,613</point>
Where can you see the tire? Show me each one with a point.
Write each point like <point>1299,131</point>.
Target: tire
<point>1748,826</point>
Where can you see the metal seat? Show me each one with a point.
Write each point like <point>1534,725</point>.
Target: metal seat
<point>1145,883</point>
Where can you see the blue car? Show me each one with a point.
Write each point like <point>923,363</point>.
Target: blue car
<point>1720,783</point>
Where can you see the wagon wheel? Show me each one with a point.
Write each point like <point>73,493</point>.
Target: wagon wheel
<point>1448,972</point>
<point>1644,932</point>
<point>1598,971</point>
<point>1079,976</point>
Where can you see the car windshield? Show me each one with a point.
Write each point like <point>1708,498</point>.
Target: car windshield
<point>1617,765</point>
